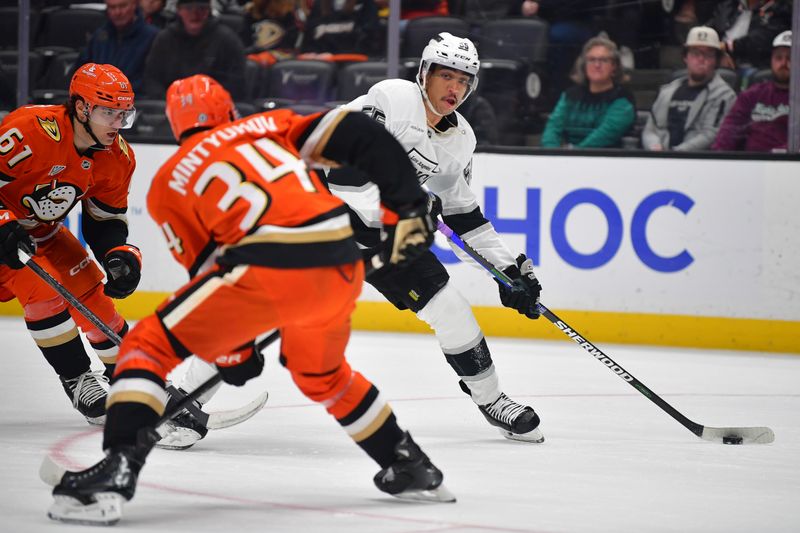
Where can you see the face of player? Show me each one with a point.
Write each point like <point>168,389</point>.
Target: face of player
<point>104,122</point>
<point>701,63</point>
<point>780,62</point>
<point>194,17</point>
<point>446,88</point>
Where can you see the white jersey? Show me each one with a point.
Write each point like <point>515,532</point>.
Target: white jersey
<point>442,159</point>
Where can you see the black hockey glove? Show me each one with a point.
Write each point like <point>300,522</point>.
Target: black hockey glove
<point>523,295</point>
<point>123,266</point>
<point>242,365</point>
<point>410,237</point>
<point>12,238</point>
<point>434,206</point>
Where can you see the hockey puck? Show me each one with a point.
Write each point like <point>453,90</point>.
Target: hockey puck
<point>732,440</point>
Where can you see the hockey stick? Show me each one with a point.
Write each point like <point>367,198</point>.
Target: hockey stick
<point>725,435</point>
<point>216,420</point>
<point>51,471</point>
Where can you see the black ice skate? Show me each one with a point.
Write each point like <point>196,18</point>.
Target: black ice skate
<point>412,476</point>
<point>515,421</point>
<point>183,431</point>
<point>95,496</point>
<point>88,396</point>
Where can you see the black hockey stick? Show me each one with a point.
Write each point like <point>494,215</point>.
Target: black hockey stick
<point>725,435</point>
<point>197,412</point>
<point>52,472</point>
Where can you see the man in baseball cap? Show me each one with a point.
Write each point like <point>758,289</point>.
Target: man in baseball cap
<point>759,120</point>
<point>688,111</point>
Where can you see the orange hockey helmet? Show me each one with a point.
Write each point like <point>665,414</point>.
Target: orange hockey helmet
<point>198,102</point>
<point>102,85</point>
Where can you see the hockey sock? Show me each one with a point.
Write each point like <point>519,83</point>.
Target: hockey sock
<point>60,343</point>
<point>136,400</point>
<point>484,388</point>
<point>107,350</point>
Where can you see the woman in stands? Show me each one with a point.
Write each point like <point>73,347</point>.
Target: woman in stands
<point>597,111</point>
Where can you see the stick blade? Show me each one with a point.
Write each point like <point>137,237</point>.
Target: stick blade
<point>224,419</point>
<point>51,471</point>
<point>751,435</point>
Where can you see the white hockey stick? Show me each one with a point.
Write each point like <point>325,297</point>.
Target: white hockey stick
<point>724,435</point>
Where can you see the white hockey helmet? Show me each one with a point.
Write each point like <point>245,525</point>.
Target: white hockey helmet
<point>452,52</point>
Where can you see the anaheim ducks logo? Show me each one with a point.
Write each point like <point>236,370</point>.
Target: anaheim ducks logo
<point>50,127</point>
<point>51,202</point>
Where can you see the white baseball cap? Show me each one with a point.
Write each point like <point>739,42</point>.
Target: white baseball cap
<point>702,36</point>
<point>783,39</point>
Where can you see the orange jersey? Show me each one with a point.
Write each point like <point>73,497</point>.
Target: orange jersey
<point>42,175</point>
<point>242,191</point>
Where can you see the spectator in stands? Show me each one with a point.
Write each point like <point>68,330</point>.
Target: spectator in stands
<point>747,27</point>
<point>689,110</point>
<point>123,41</point>
<point>272,25</point>
<point>343,27</point>
<point>195,44</point>
<point>759,119</point>
<point>155,14</point>
<point>597,111</point>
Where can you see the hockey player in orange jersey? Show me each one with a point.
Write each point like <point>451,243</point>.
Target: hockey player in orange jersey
<point>266,243</point>
<point>52,158</point>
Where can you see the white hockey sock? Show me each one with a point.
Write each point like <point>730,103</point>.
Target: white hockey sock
<point>198,372</point>
<point>485,387</point>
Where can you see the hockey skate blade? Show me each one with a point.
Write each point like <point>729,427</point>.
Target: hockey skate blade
<point>534,436</point>
<point>106,510</point>
<point>748,435</point>
<point>224,419</point>
<point>438,495</point>
<point>50,471</point>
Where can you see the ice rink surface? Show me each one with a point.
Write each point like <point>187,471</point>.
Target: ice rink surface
<point>612,461</point>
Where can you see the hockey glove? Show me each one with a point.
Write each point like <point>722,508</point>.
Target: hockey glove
<point>410,237</point>
<point>12,238</point>
<point>434,206</point>
<point>123,266</point>
<point>523,295</point>
<point>242,365</point>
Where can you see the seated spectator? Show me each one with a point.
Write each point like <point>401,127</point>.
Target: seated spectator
<point>123,41</point>
<point>759,119</point>
<point>689,110</point>
<point>155,14</point>
<point>597,111</point>
<point>272,25</point>
<point>747,27</point>
<point>195,44</point>
<point>343,27</point>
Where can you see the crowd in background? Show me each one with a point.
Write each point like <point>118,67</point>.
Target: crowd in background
<point>703,75</point>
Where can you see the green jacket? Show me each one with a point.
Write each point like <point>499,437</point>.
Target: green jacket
<point>586,120</point>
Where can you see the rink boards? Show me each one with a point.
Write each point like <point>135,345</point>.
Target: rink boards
<point>668,251</point>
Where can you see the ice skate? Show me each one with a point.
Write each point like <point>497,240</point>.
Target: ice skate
<point>182,432</point>
<point>95,496</point>
<point>515,421</point>
<point>412,476</point>
<point>88,396</point>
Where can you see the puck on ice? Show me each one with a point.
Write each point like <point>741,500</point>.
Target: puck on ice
<point>732,440</point>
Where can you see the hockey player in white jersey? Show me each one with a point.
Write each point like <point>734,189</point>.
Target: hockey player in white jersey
<point>440,144</point>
